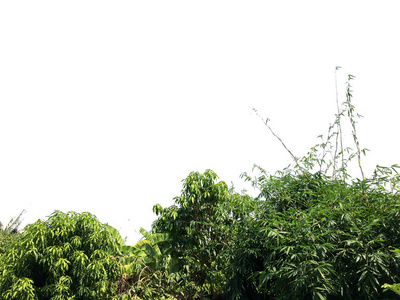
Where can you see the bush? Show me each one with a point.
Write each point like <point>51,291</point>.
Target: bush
<point>318,233</point>
<point>68,256</point>
<point>318,238</point>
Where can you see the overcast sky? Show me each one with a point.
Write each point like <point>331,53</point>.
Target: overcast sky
<point>105,106</point>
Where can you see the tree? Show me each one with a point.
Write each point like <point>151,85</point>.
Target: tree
<point>198,229</point>
<point>68,256</point>
<point>319,238</point>
<point>318,233</point>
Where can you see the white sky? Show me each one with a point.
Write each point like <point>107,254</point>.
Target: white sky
<point>105,106</point>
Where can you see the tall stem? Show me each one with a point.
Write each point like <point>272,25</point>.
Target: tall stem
<point>350,111</point>
<point>339,137</point>
<point>283,144</point>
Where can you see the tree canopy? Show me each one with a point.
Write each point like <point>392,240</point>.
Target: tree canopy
<point>68,256</point>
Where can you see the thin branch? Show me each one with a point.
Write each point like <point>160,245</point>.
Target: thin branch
<point>353,123</point>
<point>283,144</point>
<point>339,136</point>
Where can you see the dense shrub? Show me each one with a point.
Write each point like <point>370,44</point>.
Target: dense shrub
<point>326,240</point>
<point>68,256</point>
<point>198,229</point>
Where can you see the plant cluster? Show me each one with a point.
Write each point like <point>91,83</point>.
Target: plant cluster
<point>198,229</point>
<point>320,239</point>
<point>313,232</point>
<point>143,266</point>
<point>68,256</point>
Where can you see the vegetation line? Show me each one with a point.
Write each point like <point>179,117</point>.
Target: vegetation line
<point>307,235</point>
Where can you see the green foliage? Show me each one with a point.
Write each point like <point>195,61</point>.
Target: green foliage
<point>320,238</point>
<point>313,232</point>
<point>198,227</point>
<point>144,266</point>
<point>393,287</point>
<point>68,256</point>
<point>320,234</point>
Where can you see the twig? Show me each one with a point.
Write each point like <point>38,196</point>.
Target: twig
<point>340,132</point>
<point>353,123</point>
<point>283,144</point>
